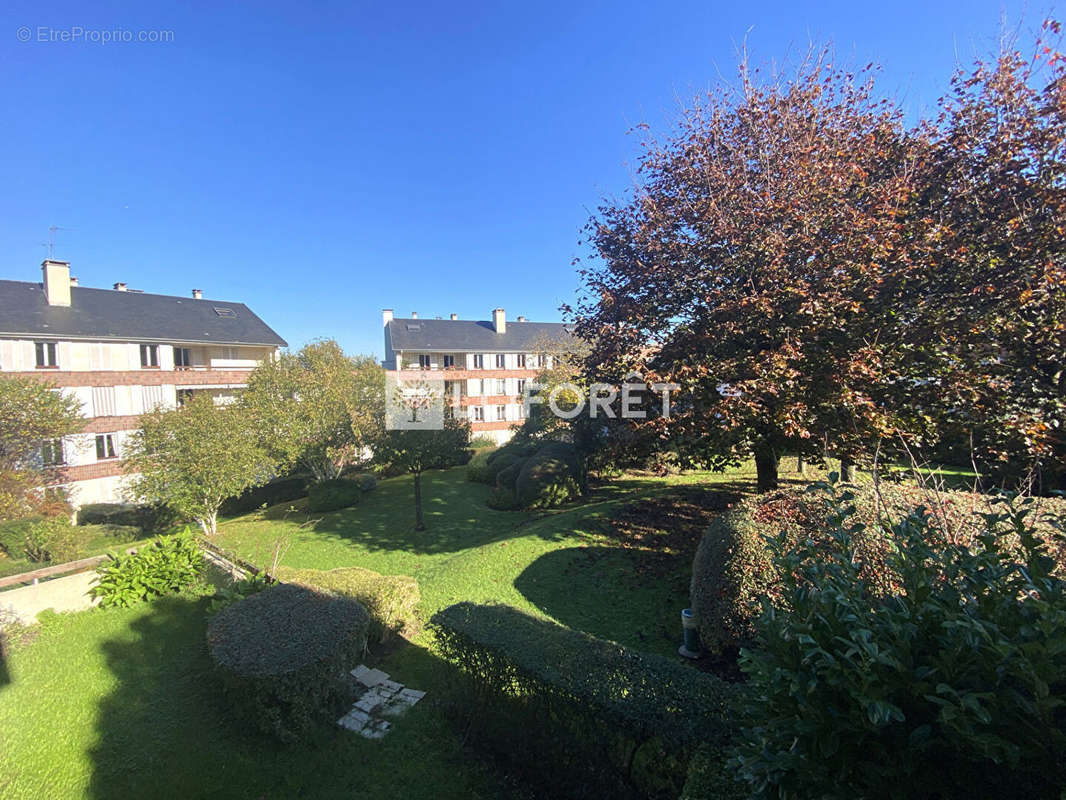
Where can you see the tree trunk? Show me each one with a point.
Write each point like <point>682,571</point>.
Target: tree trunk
<point>420,524</point>
<point>801,465</point>
<point>766,463</point>
<point>847,470</point>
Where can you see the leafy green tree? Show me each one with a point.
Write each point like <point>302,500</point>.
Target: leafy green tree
<point>194,457</point>
<point>415,451</point>
<point>31,413</point>
<point>317,409</point>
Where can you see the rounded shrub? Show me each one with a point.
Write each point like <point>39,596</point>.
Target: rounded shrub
<point>550,477</point>
<point>333,494</point>
<point>503,497</point>
<point>389,600</point>
<point>367,482</point>
<point>477,470</point>
<point>39,538</point>
<point>283,655</point>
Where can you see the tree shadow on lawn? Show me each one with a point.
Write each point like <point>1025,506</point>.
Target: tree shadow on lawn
<point>166,731</point>
<point>631,583</point>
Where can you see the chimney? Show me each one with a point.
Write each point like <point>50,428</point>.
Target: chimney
<point>197,294</point>
<point>73,281</point>
<point>414,315</point>
<point>454,317</point>
<point>386,316</point>
<point>499,320</point>
<point>56,282</point>
<point>522,319</point>
<point>120,287</point>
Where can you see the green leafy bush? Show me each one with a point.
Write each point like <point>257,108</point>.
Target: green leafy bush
<point>482,442</point>
<point>333,494</point>
<point>283,655</point>
<point>168,564</point>
<point>281,490</point>
<point>733,570</point>
<point>389,600</point>
<point>949,680</point>
<point>368,482</point>
<point>553,475</point>
<point>237,591</point>
<point>597,715</point>
<point>41,539</point>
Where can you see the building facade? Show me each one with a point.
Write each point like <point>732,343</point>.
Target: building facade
<point>485,364</point>
<point>121,353</point>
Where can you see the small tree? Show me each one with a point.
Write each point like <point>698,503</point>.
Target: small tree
<point>31,413</point>
<point>415,451</point>
<point>194,457</point>
<point>317,408</point>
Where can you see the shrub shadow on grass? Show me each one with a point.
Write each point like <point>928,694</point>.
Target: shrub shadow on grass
<point>600,590</point>
<point>165,729</point>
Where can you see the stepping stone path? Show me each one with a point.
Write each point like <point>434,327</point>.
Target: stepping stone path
<point>382,698</point>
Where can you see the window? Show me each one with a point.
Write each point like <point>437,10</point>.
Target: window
<point>501,386</point>
<point>182,358</point>
<point>521,360</point>
<point>522,411</point>
<point>451,389</point>
<point>225,312</point>
<point>521,386</point>
<point>542,360</point>
<point>501,412</point>
<point>501,361</point>
<point>52,453</point>
<point>479,361</point>
<point>479,414</point>
<point>184,396</point>
<point>229,353</point>
<point>105,446</point>
<point>46,355</point>
<point>449,361</point>
<point>424,361</point>
<point>149,355</point>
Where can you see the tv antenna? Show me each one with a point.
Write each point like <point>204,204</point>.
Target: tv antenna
<point>51,245</point>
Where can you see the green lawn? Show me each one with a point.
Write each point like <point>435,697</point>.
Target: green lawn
<point>121,703</point>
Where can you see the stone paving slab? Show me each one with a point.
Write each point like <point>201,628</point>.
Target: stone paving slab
<point>383,697</point>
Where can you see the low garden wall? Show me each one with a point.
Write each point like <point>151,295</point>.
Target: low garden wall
<point>68,593</point>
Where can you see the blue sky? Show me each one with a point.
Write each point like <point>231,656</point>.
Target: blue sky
<point>320,164</point>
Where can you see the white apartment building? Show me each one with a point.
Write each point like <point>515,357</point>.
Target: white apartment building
<point>121,353</point>
<point>485,364</point>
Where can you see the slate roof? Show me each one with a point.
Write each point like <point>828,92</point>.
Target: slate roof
<point>129,316</point>
<point>476,336</point>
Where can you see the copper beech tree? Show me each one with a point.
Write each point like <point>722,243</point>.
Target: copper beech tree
<point>819,277</point>
<point>750,267</point>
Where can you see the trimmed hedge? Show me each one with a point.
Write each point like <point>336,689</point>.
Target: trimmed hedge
<point>333,494</point>
<point>615,719</point>
<point>283,655</point>
<point>503,496</point>
<point>282,490</point>
<point>390,600</point>
<point>477,470</point>
<point>733,569</point>
<point>149,518</point>
<point>550,477</point>
<point>368,482</point>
